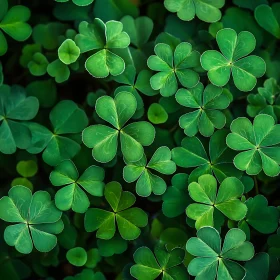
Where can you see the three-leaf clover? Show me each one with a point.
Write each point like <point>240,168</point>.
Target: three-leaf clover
<point>217,162</point>
<point>234,59</point>
<point>263,218</point>
<point>104,139</point>
<point>13,23</point>
<point>150,265</point>
<point>15,107</point>
<point>210,199</point>
<point>266,101</point>
<point>147,182</point>
<point>72,194</point>
<point>205,10</point>
<point>67,121</point>
<point>207,105</point>
<point>129,220</point>
<point>36,219</point>
<point>172,66</point>
<point>104,37</point>
<point>213,261</point>
<point>258,143</point>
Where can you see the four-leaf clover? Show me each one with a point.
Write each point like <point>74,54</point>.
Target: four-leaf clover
<point>36,219</point>
<point>129,220</point>
<point>257,143</point>
<point>72,195</point>
<point>207,104</point>
<point>210,199</point>
<point>213,261</point>
<point>234,59</point>
<point>147,182</point>
<point>104,139</point>
<point>172,66</point>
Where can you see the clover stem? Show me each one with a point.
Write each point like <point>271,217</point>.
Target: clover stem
<point>256,185</point>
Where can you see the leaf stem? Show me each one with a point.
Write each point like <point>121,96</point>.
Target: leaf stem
<point>256,185</point>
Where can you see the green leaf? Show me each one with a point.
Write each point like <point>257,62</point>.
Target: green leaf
<point>68,52</point>
<point>59,71</point>
<point>157,114</point>
<point>233,58</point>
<point>38,65</point>
<point>260,216</point>
<point>36,217</point>
<point>77,256</point>
<point>207,11</point>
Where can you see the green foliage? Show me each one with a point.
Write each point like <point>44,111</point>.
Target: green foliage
<point>234,59</point>
<point>212,260</point>
<point>139,139</point>
<point>173,66</point>
<point>128,219</point>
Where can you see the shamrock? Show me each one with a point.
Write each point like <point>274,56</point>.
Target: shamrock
<point>36,217</point>
<point>207,104</point>
<point>233,58</point>
<point>266,101</point>
<point>205,10</point>
<point>257,142</point>
<point>172,67</point>
<point>209,200</point>
<point>104,139</point>
<point>268,18</point>
<point>128,219</point>
<point>68,52</point>
<point>13,23</point>
<point>67,120</point>
<point>150,266</point>
<point>212,261</point>
<point>77,2</point>
<point>105,37</point>
<point>260,216</point>
<point>147,182</point>
<point>139,30</point>
<point>219,162</point>
<point>72,195</point>
<point>176,198</point>
<point>15,107</point>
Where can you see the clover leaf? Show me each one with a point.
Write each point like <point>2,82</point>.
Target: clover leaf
<point>77,2</point>
<point>209,199</point>
<point>77,256</point>
<point>176,198</point>
<point>72,194</point>
<point>38,64</point>
<point>147,182</point>
<point>266,101</point>
<point>157,114</point>
<point>213,261</point>
<point>58,70</point>
<point>257,142</point>
<point>104,139</point>
<point>104,37</point>
<point>172,66</point>
<point>150,265</point>
<point>13,23</point>
<point>36,219</point>
<point>268,18</point>
<point>260,216</point>
<point>219,162</point>
<point>15,108</point>
<point>67,120</point>
<point>68,52</point>
<point>234,59</point>
<point>207,105</point>
<point>115,245</point>
<point>129,220</point>
<point>205,10</point>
